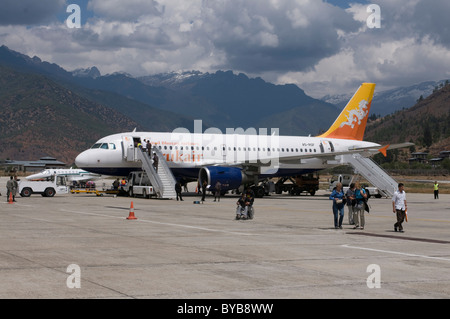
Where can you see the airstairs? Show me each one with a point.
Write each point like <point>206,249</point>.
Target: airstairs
<point>163,181</point>
<point>373,173</point>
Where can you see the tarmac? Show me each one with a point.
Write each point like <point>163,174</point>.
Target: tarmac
<point>83,246</point>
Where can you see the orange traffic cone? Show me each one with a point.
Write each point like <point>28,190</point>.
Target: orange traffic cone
<point>131,215</point>
<point>10,198</point>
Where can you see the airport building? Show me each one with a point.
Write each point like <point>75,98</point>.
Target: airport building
<point>32,166</point>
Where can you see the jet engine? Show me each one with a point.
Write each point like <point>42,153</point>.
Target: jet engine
<point>229,177</point>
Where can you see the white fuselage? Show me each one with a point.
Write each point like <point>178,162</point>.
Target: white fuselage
<point>70,174</point>
<point>186,153</point>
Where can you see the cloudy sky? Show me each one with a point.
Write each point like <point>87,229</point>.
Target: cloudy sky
<point>325,47</point>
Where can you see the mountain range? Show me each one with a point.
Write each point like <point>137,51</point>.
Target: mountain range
<point>222,100</point>
<point>47,110</point>
<point>389,101</point>
<point>40,117</point>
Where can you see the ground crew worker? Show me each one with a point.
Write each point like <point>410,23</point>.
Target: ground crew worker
<point>436,190</point>
<point>11,189</point>
<point>218,189</point>
<point>204,187</point>
<point>178,190</point>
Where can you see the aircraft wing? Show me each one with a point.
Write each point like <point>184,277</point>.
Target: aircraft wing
<point>82,178</point>
<point>382,149</point>
<point>268,159</point>
<point>373,149</point>
<point>400,145</point>
<point>40,175</point>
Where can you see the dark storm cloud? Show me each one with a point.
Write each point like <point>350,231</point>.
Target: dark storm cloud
<point>29,12</point>
<point>431,18</point>
<point>275,35</point>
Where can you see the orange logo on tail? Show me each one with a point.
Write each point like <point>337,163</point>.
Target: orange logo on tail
<point>351,123</point>
<point>356,116</point>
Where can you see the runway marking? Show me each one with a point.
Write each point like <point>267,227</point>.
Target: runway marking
<point>425,240</point>
<point>161,223</point>
<point>396,253</point>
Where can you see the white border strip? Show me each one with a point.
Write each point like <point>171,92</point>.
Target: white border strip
<point>396,253</point>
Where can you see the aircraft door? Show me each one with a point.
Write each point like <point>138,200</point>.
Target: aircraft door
<point>326,147</point>
<point>61,184</point>
<point>128,150</point>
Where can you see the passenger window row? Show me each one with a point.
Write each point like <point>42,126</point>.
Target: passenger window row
<point>245,149</point>
<point>112,146</point>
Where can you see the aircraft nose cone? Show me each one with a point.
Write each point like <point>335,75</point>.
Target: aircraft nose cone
<point>82,160</point>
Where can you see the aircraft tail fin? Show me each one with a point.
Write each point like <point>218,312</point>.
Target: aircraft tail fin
<point>351,123</point>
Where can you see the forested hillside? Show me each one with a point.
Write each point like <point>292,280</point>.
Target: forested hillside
<point>39,118</point>
<point>426,124</point>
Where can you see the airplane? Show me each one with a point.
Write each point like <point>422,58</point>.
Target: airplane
<point>77,175</point>
<point>242,157</point>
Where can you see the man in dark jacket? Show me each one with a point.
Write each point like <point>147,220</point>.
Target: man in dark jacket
<point>178,190</point>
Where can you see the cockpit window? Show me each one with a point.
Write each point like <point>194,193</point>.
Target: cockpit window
<point>105,146</point>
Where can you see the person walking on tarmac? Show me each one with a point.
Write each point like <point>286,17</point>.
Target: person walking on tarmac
<point>351,202</point>
<point>399,207</point>
<point>358,210</point>
<point>338,205</point>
